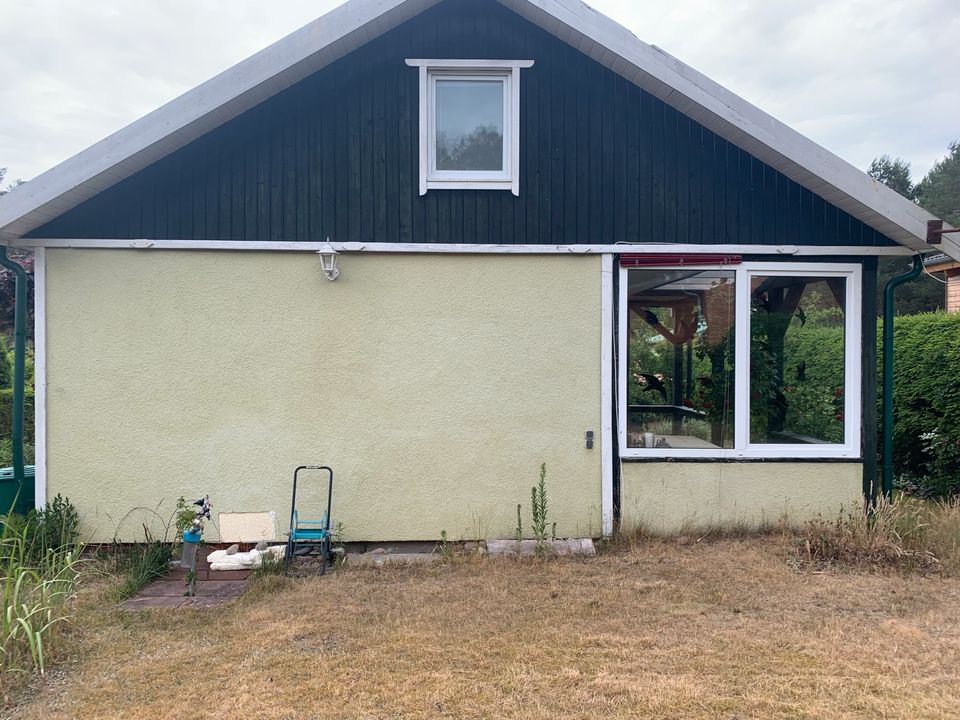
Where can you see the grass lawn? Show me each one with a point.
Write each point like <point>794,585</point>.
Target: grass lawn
<point>664,629</point>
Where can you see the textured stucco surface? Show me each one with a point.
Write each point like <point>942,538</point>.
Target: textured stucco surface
<point>673,496</point>
<point>433,384</point>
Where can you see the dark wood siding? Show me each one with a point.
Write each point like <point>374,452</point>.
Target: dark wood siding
<point>336,156</point>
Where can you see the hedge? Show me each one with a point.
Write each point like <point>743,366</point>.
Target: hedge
<point>6,414</point>
<point>926,384</point>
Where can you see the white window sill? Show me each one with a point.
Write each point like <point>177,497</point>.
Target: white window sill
<point>470,185</point>
<point>772,452</point>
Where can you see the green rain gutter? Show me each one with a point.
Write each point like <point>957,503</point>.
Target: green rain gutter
<point>892,285</point>
<point>19,350</point>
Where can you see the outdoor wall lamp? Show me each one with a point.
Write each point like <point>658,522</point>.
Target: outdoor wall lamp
<point>328,260</point>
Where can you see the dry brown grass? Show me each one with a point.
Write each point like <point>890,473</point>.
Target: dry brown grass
<point>910,534</point>
<point>723,629</point>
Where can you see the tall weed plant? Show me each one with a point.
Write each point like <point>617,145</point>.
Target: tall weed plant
<point>38,581</point>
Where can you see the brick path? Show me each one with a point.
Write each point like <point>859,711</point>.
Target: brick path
<point>214,587</point>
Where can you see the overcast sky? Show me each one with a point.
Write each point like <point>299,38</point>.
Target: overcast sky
<point>861,77</point>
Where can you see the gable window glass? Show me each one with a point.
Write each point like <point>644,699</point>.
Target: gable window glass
<point>470,124</point>
<point>744,360</point>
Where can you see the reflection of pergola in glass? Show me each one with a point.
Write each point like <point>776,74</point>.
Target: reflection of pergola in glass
<point>699,304</point>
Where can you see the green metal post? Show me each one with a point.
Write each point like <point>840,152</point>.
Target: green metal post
<point>19,350</point>
<point>892,284</point>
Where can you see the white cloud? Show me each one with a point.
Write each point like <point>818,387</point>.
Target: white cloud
<point>861,78</point>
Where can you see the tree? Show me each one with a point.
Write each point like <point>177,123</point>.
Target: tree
<point>939,191</point>
<point>12,186</point>
<point>892,172</point>
<point>923,294</point>
<point>482,149</point>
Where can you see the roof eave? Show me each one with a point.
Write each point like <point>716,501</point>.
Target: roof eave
<point>358,21</point>
<point>732,118</point>
<point>197,111</point>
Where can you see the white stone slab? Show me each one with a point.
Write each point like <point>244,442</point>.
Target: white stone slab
<point>525,548</point>
<point>247,527</point>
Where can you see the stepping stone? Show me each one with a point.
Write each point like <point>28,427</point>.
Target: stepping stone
<point>227,575</point>
<point>147,603</point>
<point>163,588</point>
<point>199,601</point>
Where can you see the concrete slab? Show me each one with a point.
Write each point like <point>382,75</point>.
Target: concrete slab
<point>221,588</point>
<point>227,575</point>
<point>378,559</point>
<point>163,588</point>
<point>152,602</point>
<point>199,601</point>
<point>582,547</point>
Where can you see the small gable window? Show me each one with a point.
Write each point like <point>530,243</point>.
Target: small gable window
<point>470,124</point>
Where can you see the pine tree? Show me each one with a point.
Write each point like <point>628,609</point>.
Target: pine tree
<point>923,294</point>
<point>939,191</point>
<point>892,172</point>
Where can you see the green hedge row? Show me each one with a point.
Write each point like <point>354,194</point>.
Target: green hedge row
<point>926,384</point>
<point>926,378</point>
<point>6,414</point>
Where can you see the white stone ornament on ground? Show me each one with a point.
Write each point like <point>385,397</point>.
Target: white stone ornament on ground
<point>221,560</point>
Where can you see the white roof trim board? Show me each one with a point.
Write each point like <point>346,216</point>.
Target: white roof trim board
<point>355,23</point>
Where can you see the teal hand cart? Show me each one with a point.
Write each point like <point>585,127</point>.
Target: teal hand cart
<point>306,533</point>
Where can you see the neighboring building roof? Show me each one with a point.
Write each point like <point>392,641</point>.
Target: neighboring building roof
<point>932,261</point>
<point>356,22</point>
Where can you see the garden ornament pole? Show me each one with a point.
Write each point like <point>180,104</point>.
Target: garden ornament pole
<point>191,541</point>
<point>19,350</point>
<point>892,284</point>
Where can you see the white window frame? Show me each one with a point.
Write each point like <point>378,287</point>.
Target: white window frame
<point>743,448</point>
<point>506,71</point>
<point>502,179</point>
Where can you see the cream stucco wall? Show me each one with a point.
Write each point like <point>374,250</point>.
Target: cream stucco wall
<point>433,384</point>
<point>671,497</point>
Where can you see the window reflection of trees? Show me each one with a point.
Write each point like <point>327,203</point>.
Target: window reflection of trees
<point>481,150</point>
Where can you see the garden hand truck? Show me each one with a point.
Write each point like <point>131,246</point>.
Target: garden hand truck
<point>310,532</point>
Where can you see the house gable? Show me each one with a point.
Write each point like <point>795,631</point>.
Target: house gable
<point>336,155</point>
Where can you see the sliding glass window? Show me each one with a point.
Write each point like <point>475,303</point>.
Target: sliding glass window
<point>745,360</point>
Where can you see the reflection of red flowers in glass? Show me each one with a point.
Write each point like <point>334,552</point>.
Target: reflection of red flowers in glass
<point>707,405</point>
<point>839,417</point>
<point>687,402</point>
<point>838,392</point>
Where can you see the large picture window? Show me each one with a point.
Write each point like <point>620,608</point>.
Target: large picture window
<point>680,379</point>
<point>750,360</point>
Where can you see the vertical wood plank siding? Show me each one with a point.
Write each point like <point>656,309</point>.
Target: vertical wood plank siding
<point>336,156</point>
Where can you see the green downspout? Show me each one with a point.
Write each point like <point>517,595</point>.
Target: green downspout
<point>892,285</point>
<point>19,349</point>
